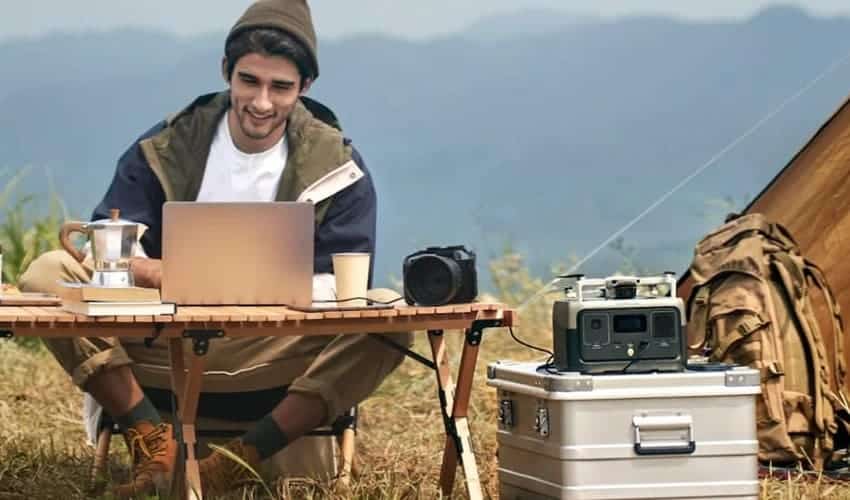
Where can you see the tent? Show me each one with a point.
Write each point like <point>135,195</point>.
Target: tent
<point>811,197</point>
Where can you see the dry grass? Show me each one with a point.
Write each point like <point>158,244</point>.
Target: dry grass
<point>399,445</point>
<point>43,455</point>
<point>400,440</point>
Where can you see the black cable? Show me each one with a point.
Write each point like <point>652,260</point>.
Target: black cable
<point>549,364</point>
<point>525,344</point>
<point>368,300</point>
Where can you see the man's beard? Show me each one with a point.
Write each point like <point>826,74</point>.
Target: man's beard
<point>269,127</point>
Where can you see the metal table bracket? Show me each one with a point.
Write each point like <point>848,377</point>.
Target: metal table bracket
<point>476,331</point>
<point>201,339</point>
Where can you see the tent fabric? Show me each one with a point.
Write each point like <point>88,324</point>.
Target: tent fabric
<point>811,198</point>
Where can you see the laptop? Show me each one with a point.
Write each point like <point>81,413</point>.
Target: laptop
<point>237,253</point>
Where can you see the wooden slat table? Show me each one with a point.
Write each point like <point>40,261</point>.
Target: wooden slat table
<point>203,324</point>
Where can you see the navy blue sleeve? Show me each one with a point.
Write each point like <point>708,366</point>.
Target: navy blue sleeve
<point>349,224</point>
<point>137,192</point>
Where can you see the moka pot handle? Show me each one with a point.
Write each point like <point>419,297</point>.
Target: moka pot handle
<point>65,238</point>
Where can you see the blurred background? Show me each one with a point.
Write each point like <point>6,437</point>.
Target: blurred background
<point>531,127</point>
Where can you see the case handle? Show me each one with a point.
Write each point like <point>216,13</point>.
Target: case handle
<point>664,422</point>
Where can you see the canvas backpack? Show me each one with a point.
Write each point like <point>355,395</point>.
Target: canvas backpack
<point>755,301</point>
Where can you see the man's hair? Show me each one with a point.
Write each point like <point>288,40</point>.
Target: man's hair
<point>268,42</point>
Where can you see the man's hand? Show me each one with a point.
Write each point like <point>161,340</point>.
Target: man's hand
<point>147,273</point>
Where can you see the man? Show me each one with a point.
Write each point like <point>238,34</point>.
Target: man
<point>261,141</point>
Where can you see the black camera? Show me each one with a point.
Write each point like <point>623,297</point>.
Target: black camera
<point>440,275</point>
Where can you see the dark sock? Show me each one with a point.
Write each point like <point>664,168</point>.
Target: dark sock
<point>145,410</point>
<point>266,437</point>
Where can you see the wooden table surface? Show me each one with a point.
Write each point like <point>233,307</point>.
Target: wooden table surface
<point>52,321</point>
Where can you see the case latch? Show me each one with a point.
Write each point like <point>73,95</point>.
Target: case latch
<point>541,420</point>
<point>506,413</point>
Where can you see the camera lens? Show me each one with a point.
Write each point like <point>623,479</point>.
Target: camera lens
<point>432,280</point>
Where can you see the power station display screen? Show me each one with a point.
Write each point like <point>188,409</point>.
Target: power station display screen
<point>629,323</point>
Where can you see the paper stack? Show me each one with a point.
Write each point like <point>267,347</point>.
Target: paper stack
<point>80,298</point>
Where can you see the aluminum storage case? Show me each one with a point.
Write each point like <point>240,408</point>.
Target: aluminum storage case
<point>685,435</point>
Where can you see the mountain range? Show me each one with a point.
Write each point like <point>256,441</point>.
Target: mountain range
<point>540,131</point>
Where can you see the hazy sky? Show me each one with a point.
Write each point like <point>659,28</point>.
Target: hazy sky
<point>335,18</point>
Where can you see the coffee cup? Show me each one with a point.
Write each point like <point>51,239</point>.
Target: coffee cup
<point>351,270</point>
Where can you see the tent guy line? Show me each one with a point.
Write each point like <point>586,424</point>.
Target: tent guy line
<point>841,61</point>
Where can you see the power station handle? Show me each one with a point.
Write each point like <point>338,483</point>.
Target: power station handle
<point>672,423</point>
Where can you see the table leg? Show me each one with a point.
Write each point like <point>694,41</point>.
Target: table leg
<point>188,413</point>
<point>187,387</point>
<point>456,400</point>
<point>178,382</point>
<point>178,369</point>
<point>445,389</point>
<point>460,412</point>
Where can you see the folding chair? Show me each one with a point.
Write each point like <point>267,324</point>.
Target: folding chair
<point>213,424</point>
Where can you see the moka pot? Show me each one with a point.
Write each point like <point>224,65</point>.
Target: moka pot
<point>113,243</point>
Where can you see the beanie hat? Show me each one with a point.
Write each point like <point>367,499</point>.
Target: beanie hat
<point>291,16</point>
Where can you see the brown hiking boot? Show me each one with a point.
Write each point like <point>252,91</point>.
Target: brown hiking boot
<point>154,453</point>
<point>220,472</point>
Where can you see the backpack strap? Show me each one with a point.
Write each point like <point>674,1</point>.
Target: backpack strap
<point>816,274</point>
<point>699,304</point>
<point>794,286</point>
<point>780,235</point>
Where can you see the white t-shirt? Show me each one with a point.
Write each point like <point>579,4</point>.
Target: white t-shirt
<point>232,175</point>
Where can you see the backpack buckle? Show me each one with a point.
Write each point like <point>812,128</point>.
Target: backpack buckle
<point>775,368</point>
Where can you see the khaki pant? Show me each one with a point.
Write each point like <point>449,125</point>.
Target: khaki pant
<point>343,370</point>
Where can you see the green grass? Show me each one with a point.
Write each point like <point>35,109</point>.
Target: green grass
<point>26,232</point>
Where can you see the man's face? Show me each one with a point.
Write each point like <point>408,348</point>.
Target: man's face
<point>263,92</point>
